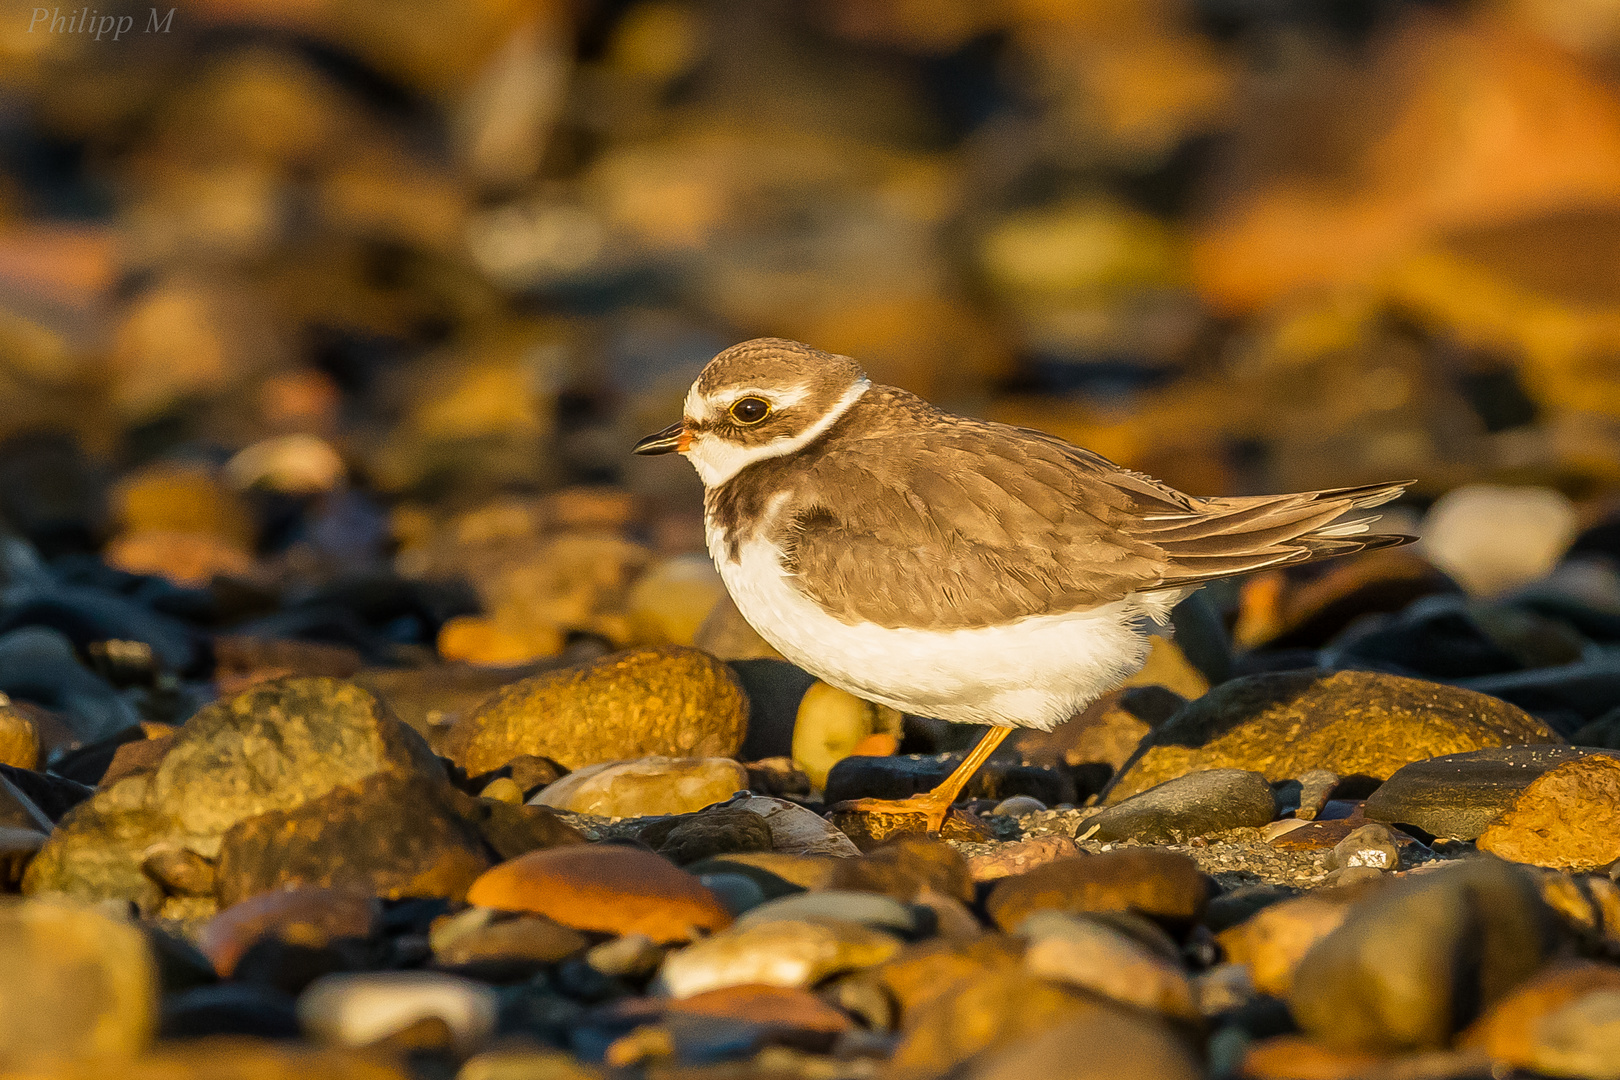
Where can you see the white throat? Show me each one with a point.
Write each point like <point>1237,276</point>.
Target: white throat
<point>717,460</point>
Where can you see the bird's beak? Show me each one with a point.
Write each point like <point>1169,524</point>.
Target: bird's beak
<point>672,440</point>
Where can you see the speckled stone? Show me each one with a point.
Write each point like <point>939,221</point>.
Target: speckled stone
<point>670,701</point>
<point>1567,818</point>
<point>1354,723</point>
<point>1457,796</point>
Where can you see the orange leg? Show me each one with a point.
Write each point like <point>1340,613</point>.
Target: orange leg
<point>936,804</point>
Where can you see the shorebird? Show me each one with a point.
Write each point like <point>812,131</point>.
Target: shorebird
<point>952,567</point>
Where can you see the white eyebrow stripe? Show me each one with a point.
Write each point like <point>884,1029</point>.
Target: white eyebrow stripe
<point>701,408</point>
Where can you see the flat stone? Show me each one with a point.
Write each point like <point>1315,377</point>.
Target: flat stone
<point>1369,846</point>
<point>869,909</point>
<point>511,831</point>
<point>796,830</point>
<point>1457,796</point>
<point>138,756</point>
<point>804,871</point>
<point>1020,855</point>
<point>787,952</point>
<point>1580,1039</point>
<point>1422,958</point>
<point>718,830</point>
<point>1091,956</point>
<point>779,1007</point>
<point>1211,800</point>
<point>308,916</point>
<point>607,888</point>
<point>354,1009</point>
<point>646,786</point>
<point>1353,723</point>
<point>78,984</point>
<point>632,956</point>
<point>1161,885</point>
<point>668,701</point>
<point>249,1009</point>
<point>385,837</point>
<point>1567,818</point>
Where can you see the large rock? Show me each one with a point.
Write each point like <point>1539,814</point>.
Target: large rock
<point>78,984</point>
<point>1457,796</point>
<point>669,701</point>
<point>273,748</point>
<point>1420,960</point>
<point>1354,723</point>
<point>1567,818</point>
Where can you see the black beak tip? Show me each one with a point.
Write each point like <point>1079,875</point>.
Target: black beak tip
<point>660,442</point>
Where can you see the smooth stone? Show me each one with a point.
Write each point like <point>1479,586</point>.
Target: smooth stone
<point>1511,1031</point>
<point>777,777</point>
<point>308,916</point>
<point>1568,817</point>
<point>385,837</point>
<point>1018,806</point>
<point>1457,796</point>
<point>1437,637</point>
<point>1223,988</point>
<point>632,956</point>
<point>1353,723</point>
<point>798,871</point>
<point>39,664</point>
<point>503,789</point>
<point>1491,537</point>
<point>1271,942</point>
<point>1580,1039</point>
<point>906,868</point>
<point>510,946</point>
<point>1422,958</point>
<point>869,909</point>
<point>511,831</point>
<point>1092,956</point>
<point>19,737</point>
<point>242,1009</point>
<point>78,984</point>
<point>275,747</point>
<point>1018,856</point>
<point>774,687</point>
<point>793,953</point>
<point>672,599</point>
<point>667,701</point>
<point>646,786</point>
<point>607,888</point>
<point>738,892</point>
<point>1116,1044</point>
<point>527,1065</point>
<point>726,634</point>
<point>796,830</point>
<point>718,830</point>
<point>358,1009</point>
<point>1163,886</point>
<point>1315,789</point>
<point>904,775</point>
<point>830,724</point>
<point>1582,691</point>
<point>1211,800</point>
<point>1371,846</point>
<point>779,1007</point>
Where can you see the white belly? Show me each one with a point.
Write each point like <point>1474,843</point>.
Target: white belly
<point>1036,672</point>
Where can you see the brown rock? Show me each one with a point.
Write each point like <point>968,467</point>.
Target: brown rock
<point>1353,723</point>
<point>670,700</point>
<point>1508,1031</point>
<point>139,756</point>
<point>905,867</point>
<point>523,943</point>
<point>184,499</point>
<point>1161,885</point>
<point>222,1057</point>
<point>869,830</point>
<point>646,786</point>
<point>432,699</point>
<point>511,830</point>
<point>925,972</point>
<point>1118,1042</point>
<point>19,737</point>
<point>306,915</point>
<point>1294,1057</point>
<point>240,661</point>
<point>1568,817</point>
<point>1020,856</point>
<point>780,1007</point>
<point>1272,941</point>
<point>192,560</point>
<point>617,890</point>
<point>386,837</point>
<point>806,871</point>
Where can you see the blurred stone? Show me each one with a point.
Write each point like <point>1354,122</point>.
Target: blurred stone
<point>1457,796</point>
<point>473,639</point>
<point>1512,1031</point>
<point>1271,942</point>
<point>297,464</point>
<point>666,700</point>
<point>1311,613</point>
<point>616,890</point>
<point>1581,1038</point>
<point>793,953</point>
<point>726,634</point>
<point>630,956</point>
<point>187,559</point>
<point>673,599</point>
<point>719,830</point>
<point>137,756</point>
<point>362,1009</point>
<point>80,985</point>
<point>19,737</point>
<point>178,498</point>
<point>829,725</point>
<point>1371,846</point>
<point>1417,962</point>
<point>240,660</point>
<point>866,908</point>
<point>776,776</point>
<point>1566,817</point>
<point>510,947</point>
<point>775,690</point>
<point>1202,802</point>
<point>1491,539</point>
<point>309,915</point>
<point>527,1065</point>
<point>649,785</point>
<point>1093,957</point>
<point>503,789</point>
<point>1352,723</point>
<point>901,776</point>
<point>906,868</point>
<point>1163,886</point>
<point>1021,855</point>
<point>38,665</point>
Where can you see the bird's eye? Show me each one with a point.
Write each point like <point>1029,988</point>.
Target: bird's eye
<point>750,410</point>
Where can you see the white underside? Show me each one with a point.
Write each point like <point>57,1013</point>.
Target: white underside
<point>1036,672</point>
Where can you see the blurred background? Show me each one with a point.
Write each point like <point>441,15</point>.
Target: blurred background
<point>341,317</point>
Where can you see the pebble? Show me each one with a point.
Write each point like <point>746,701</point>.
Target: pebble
<point>737,892</point>
<point>307,916</point>
<point>1211,800</point>
<point>666,701</point>
<point>1371,846</point>
<point>358,1009</point>
<point>1163,886</point>
<point>672,600</point>
<point>1018,806</point>
<point>1094,957</point>
<point>503,789</point>
<point>830,724</point>
<point>869,909</point>
<point>78,984</point>
<point>1568,817</point>
<point>796,830</point>
<point>1116,1044</point>
<point>603,887</point>
<point>1457,796</point>
<point>521,944</point>
<point>632,956</point>
<point>1354,723</point>
<point>645,786</point>
<point>905,868</point>
<point>793,953</point>
<point>718,830</point>
<point>1580,1039</point>
<point>526,1065</point>
<point>1315,789</point>
<point>1414,964</point>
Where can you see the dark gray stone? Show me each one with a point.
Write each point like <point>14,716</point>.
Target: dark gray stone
<point>775,688</point>
<point>900,776</point>
<point>1212,800</point>
<point>1455,796</point>
<point>39,664</point>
